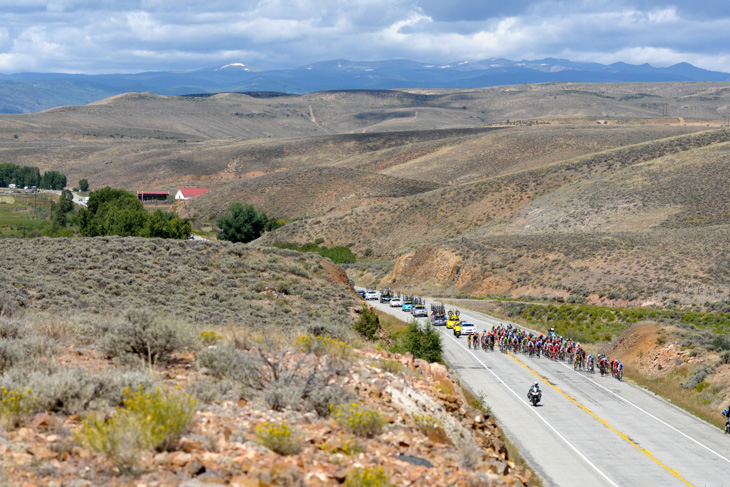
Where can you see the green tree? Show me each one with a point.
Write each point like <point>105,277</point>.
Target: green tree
<point>368,324</point>
<point>166,225</point>
<point>64,206</point>
<point>423,343</point>
<point>242,223</point>
<point>84,185</point>
<point>52,180</point>
<point>112,212</point>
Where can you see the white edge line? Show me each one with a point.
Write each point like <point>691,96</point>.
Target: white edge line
<point>651,415</point>
<point>533,411</point>
<point>620,397</point>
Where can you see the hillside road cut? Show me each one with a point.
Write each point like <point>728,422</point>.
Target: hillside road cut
<point>588,429</point>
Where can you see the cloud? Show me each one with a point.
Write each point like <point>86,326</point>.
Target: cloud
<point>137,35</point>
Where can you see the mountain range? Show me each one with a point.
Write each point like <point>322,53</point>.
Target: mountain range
<point>33,92</point>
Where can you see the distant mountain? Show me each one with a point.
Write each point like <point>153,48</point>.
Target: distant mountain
<point>32,92</point>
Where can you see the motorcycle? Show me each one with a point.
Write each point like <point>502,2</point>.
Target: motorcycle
<point>534,397</point>
<point>727,426</point>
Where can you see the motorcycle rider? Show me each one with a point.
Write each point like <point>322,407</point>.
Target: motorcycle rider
<point>534,389</point>
<point>726,413</point>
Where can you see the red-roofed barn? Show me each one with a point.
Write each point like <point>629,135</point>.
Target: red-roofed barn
<point>187,193</point>
<point>152,195</point>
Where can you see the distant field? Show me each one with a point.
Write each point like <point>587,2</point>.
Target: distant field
<point>18,215</point>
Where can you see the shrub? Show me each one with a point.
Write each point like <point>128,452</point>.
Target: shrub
<point>324,400</point>
<point>388,365</point>
<point>424,343</point>
<point>242,223</point>
<point>367,477</point>
<point>278,438</point>
<point>162,416</point>
<point>725,357</point>
<point>142,334</point>
<point>75,390</point>
<point>697,377</point>
<point>15,405</point>
<point>426,423</point>
<point>324,345</point>
<point>148,419</point>
<point>209,337</point>
<point>368,324</point>
<point>119,439</point>
<point>365,422</point>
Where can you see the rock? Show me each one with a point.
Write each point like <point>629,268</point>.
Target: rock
<point>245,481</point>
<point>438,435</point>
<point>41,452</point>
<point>180,459</point>
<point>195,467</point>
<point>418,461</point>
<point>190,446</point>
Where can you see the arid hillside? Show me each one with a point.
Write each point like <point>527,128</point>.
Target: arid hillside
<point>493,176</point>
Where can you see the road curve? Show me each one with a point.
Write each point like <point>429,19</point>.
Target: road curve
<point>588,429</point>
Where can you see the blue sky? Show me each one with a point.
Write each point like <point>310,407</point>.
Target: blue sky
<point>109,36</point>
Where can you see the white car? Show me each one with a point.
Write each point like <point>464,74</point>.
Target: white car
<point>419,310</point>
<point>396,302</point>
<point>369,295</point>
<point>468,329</point>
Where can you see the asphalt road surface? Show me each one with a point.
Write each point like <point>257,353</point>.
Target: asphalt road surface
<point>588,430</point>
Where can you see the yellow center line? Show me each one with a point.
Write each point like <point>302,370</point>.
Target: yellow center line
<point>603,421</point>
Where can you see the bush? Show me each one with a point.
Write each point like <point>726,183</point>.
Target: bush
<point>119,439</point>
<point>16,405</point>
<point>725,357</point>
<point>697,377</point>
<point>426,423</point>
<point>278,438</point>
<point>365,422</point>
<point>162,416</point>
<point>277,374</point>
<point>424,343</point>
<point>324,345</point>
<point>242,223</point>
<point>143,335</point>
<point>209,337</point>
<point>367,477</point>
<point>76,390</point>
<point>148,419</point>
<point>326,399</point>
<point>368,324</point>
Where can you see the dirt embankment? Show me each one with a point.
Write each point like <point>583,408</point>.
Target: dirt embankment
<point>441,268</point>
<point>692,377</point>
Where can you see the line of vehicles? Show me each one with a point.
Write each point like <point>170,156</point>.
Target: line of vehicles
<point>409,304</point>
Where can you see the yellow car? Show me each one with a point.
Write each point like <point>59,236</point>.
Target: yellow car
<point>452,321</point>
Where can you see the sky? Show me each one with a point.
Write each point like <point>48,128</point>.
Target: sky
<point>126,36</point>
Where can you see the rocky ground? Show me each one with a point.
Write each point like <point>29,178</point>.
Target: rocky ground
<point>456,444</point>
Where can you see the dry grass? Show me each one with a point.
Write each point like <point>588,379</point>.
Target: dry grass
<point>211,284</point>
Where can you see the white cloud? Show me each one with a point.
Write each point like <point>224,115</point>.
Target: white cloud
<point>88,35</point>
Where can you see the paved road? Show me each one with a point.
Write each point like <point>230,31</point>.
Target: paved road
<point>588,429</point>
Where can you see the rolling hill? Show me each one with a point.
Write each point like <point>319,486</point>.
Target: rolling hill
<point>553,189</point>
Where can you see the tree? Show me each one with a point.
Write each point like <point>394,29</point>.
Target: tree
<point>65,205</point>
<point>423,343</point>
<point>84,185</point>
<point>53,180</point>
<point>242,223</point>
<point>118,212</point>
<point>368,324</point>
<point>166,225</point>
